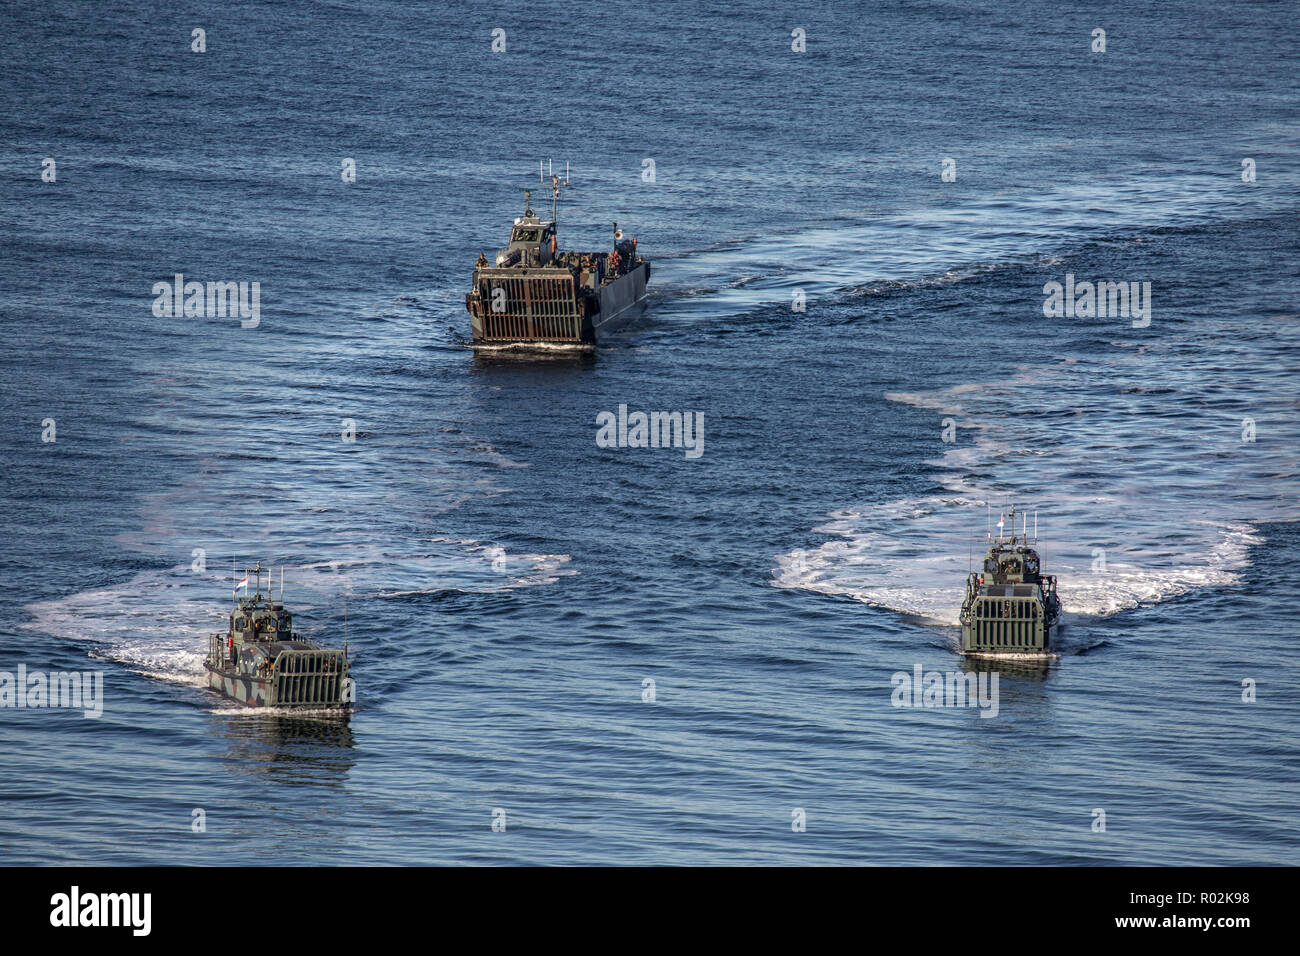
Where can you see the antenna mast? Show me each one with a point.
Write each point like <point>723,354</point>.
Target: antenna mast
<point>555,192</point>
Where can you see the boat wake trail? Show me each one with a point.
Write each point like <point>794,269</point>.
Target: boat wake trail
<point>931,245</point>
<point>913,556</point>
<point>157,624</point>
<point>1143,465</point>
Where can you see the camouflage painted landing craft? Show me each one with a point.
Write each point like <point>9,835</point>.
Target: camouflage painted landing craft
<point>537,297</point>
<point>1010,607</point>
<point>262,662</point>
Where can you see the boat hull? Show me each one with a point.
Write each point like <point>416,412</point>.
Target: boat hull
<point>249,691</point>
<point>543,309</point>
<point>620,302</point>
<point>310,691</point>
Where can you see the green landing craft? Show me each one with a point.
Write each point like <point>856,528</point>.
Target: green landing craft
<point>1011,607</point>
<point>538,297</point>
<point>262,662</point>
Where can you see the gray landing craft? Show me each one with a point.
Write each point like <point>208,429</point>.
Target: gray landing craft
<point>261,662</point>
<point>1011,606</point>
<point>536,296</point>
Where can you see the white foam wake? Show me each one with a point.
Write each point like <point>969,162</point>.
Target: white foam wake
<point>913,556</point>
<point>158,623</point>
<point>1144,490</point>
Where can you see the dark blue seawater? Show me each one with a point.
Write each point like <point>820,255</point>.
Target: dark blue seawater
<point>509,584</point>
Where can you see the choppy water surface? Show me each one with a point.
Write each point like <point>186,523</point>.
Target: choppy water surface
<point>509,586</point>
